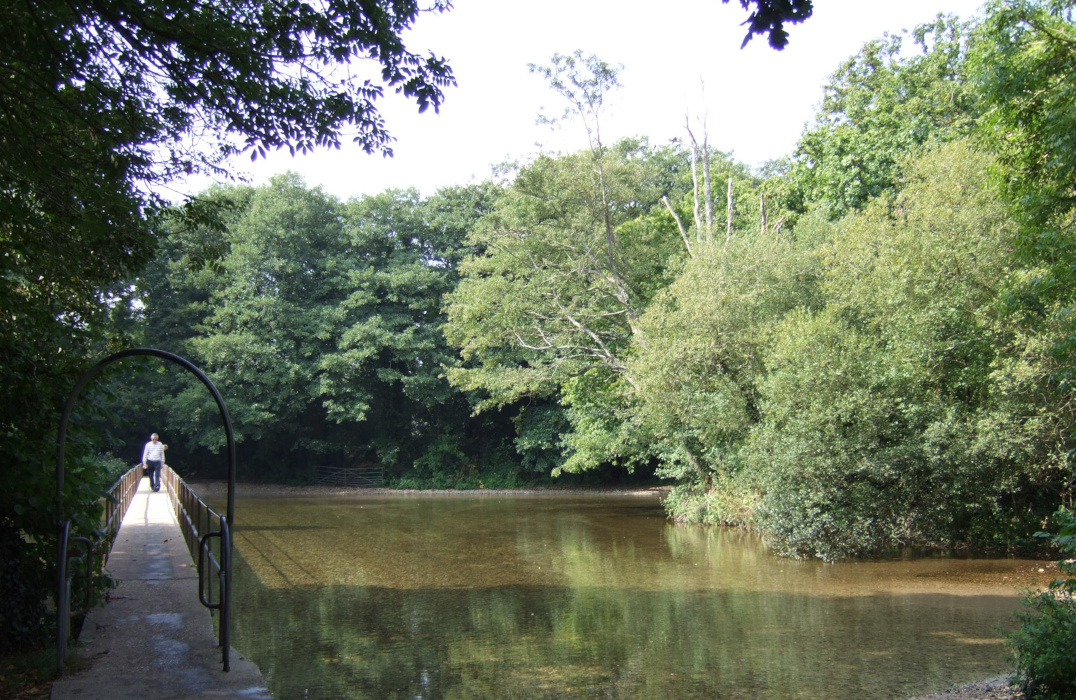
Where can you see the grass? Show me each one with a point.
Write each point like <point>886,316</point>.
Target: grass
<point>29,675</point>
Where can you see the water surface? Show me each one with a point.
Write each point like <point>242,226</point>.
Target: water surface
<point>592,597</point>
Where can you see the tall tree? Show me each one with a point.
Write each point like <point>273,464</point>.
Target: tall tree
<point>1024,59</point>
<point>879,107</point>
<point>540,313</point>
<point>769,17</point>
<point>697,375</point>
<point>859,385</point>
<point>322,326</point>
<point>101,106</point>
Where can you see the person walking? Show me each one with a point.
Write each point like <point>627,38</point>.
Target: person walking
<point>153,460</point>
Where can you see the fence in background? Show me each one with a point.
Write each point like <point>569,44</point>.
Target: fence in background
<point>351,476</point>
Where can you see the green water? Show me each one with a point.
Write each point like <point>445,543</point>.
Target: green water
<point>590,597</point>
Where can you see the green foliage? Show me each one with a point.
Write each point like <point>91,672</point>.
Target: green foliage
<point>585,82</point>
<point>28,540</point>
<point>1045,642</point>
<point>769,17</point>
<point>100,108</point>
<point>874,376</point>
<point>546,308</point>
<point>27,674</point>
<point>888,417</point>
<point>881,106</point>
<point>23,612</point>
<point>696,373</point>
<point>321,326</point>
<point>852,387</point>
<point>132,86</point>
<point>1024,57</point>
<point>726,501</point>
<point>539,430</point>
<point>468,477</point>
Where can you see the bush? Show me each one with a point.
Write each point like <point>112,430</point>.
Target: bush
<point>1045,642</point>
<point>24,581</point>
<point>726,502</point>
<point>110,467</point>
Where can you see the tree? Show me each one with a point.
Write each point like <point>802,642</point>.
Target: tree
<point>697,374</point>
<point>1023,60</point>
<point>101,106</point>
<point>554,290</point>
<point>852,386</point>
<point>879,107</point>
<point>1024,55</point>
<point>769,17</point>
<point>1045,642</point>
<point>910,407</point>
<point>585,83</point>
<point>546,307</point>
<point>321,325</point>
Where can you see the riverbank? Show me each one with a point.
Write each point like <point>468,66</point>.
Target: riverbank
<point>219,489</point>
<point>990,689</point>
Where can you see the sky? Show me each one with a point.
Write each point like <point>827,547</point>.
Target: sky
<point>679,58</point>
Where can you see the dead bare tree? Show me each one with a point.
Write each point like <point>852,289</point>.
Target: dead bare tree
<point>728,225</point>
<point>706,192</point>
<point>679,224</point>
<point>762,208</point>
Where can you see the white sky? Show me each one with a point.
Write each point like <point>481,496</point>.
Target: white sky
<point>756,100</point>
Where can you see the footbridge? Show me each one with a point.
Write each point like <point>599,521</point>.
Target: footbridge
<point>154,637</point>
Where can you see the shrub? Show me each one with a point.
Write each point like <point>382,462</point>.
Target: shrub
<point>24,581</point>
<point>1045,642</point>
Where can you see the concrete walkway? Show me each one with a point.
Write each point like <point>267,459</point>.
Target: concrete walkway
<point>153,639</point>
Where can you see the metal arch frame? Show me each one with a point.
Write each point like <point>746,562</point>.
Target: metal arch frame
<point>225,617</point>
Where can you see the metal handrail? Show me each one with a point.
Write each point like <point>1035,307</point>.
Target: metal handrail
<point>63,624</point>
<point>205,595</point>
<point>63,594</point>
<point>63,600</point>
<point>87,554</point>
<point>116,501</point>
<point>197,520</point>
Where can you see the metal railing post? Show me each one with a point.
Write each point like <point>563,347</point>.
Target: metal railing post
<point>63,622</point>
<point>196,520</point>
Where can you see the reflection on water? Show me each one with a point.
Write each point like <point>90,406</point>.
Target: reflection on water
<point>552,597</point>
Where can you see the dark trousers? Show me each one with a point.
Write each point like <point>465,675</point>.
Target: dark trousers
<point>153,466</point>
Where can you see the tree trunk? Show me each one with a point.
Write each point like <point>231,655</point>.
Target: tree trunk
<point>728,225</point>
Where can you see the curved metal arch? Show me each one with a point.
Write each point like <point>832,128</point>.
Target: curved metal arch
<point>62,438</point>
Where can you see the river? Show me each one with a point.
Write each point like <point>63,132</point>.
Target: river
<point>569,596</point>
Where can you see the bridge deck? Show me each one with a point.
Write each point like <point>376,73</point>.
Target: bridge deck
<point>153,639</point>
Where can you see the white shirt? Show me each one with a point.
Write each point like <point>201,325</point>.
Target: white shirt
<point>153,451</point>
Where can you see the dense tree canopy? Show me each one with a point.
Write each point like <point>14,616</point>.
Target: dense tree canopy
<point>103,104</point>
<point>769,17</point>
<point>880,106</point>
<point>877,350</point>
<point>320,325</point>
<point>99,102</point>
<point>874,375</point>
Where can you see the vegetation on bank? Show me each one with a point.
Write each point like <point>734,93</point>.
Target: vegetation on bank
<point>864,346</point>
<point>1045,642</point>
<point>28,675</point>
